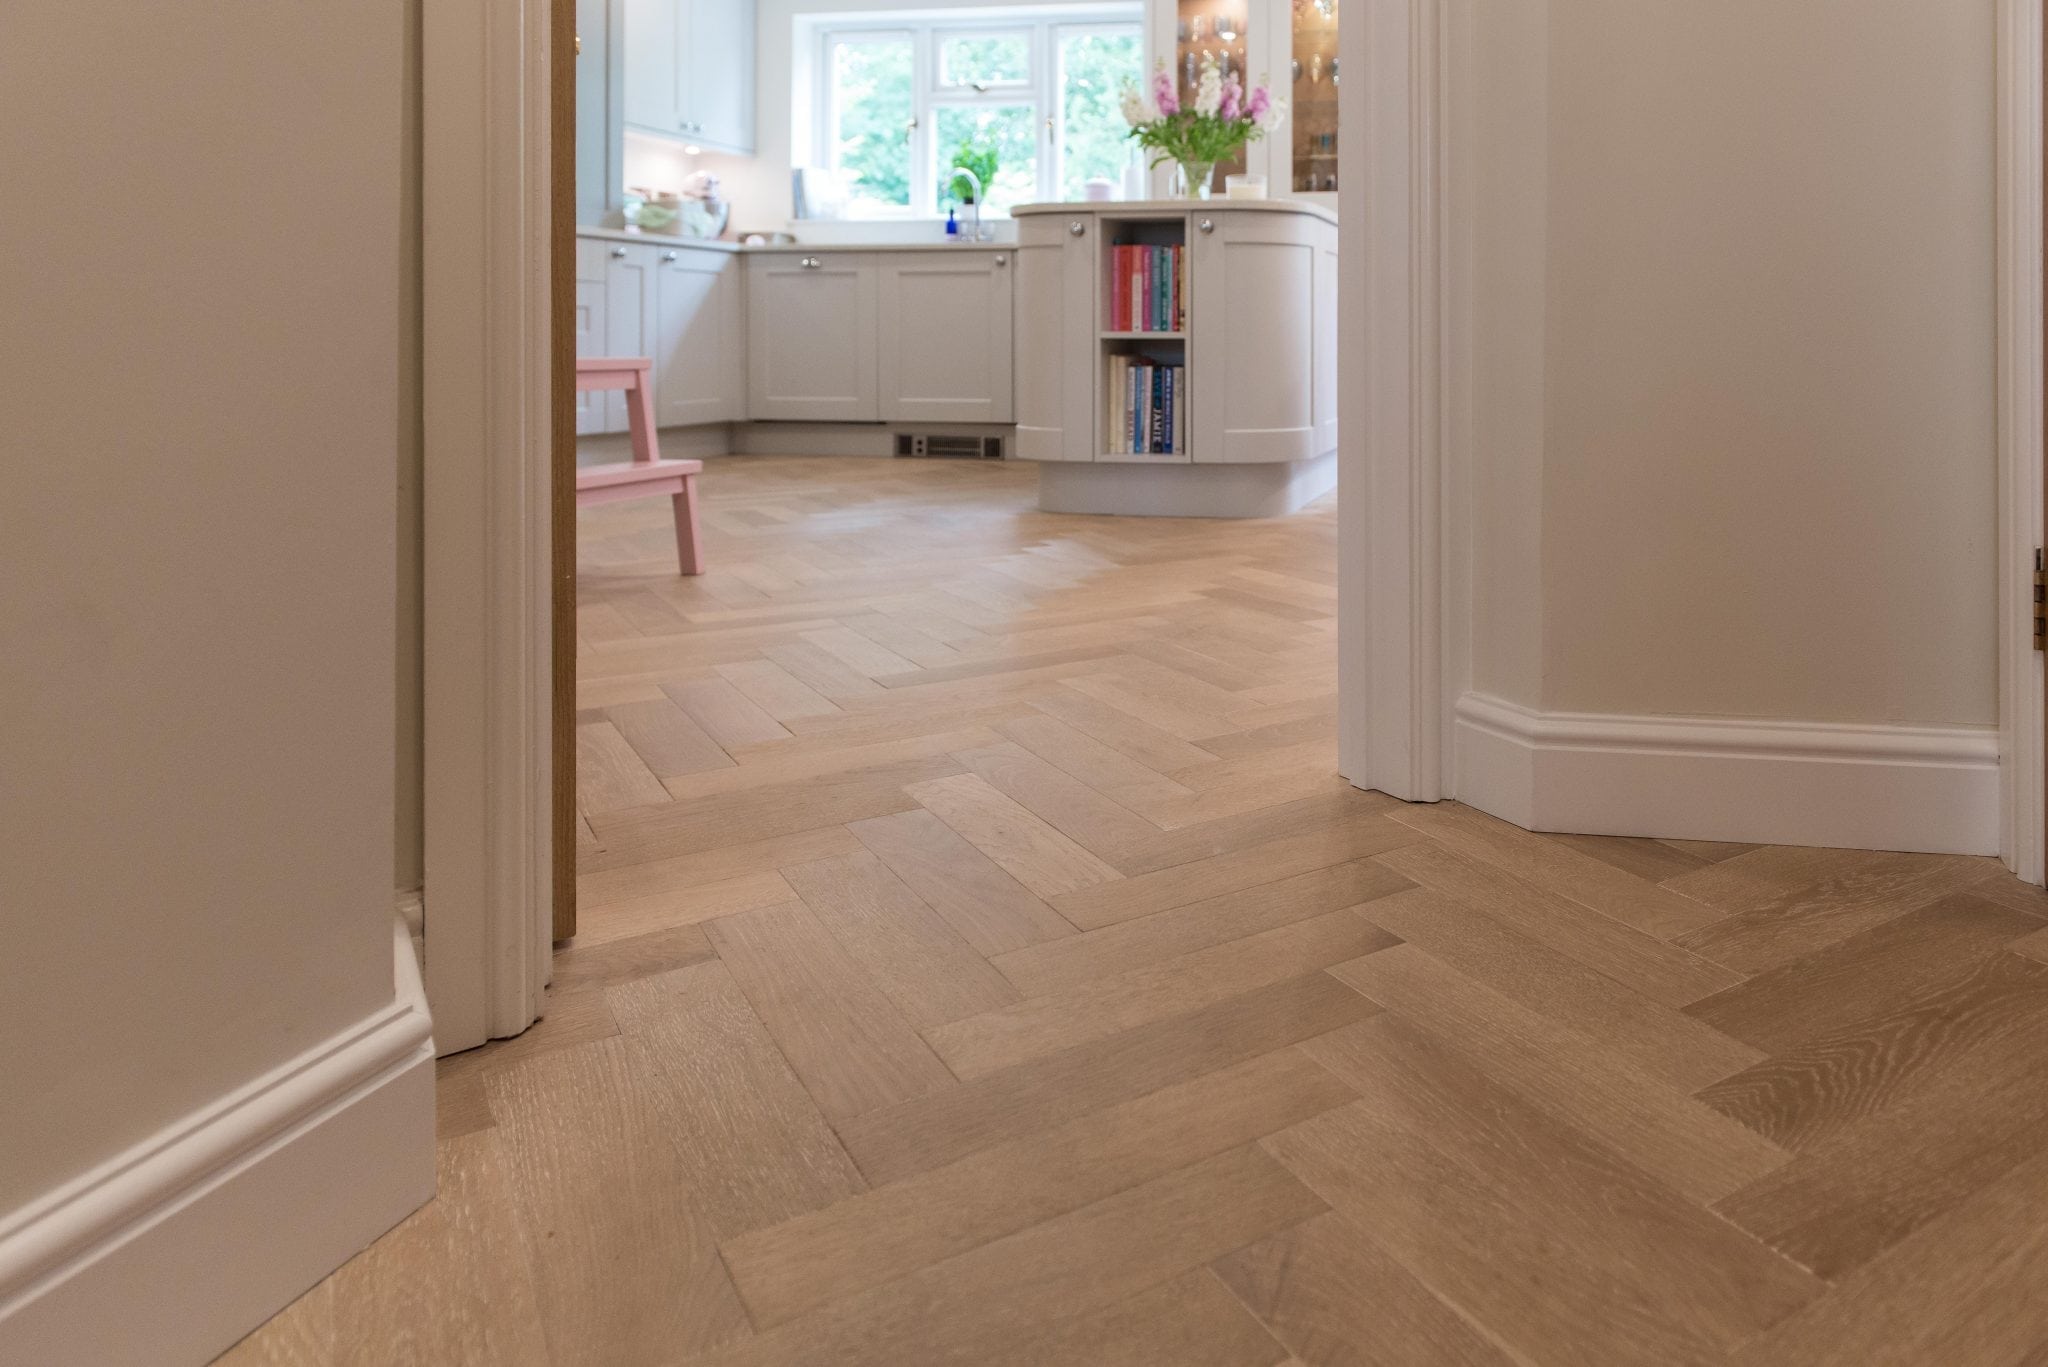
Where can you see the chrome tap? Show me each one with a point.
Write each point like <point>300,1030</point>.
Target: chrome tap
<point>975,203</point>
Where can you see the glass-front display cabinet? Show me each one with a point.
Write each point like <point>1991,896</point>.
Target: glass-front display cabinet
<point>1290,44</point>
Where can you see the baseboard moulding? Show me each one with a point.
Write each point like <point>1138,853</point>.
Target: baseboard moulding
<point>1930,789</point>
<point>173,1250</point>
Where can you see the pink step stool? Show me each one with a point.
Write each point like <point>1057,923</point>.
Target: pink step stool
<point>647,474</point>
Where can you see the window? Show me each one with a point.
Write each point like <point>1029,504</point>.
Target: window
<point>898,108</point>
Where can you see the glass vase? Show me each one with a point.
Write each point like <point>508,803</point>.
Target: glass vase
<point>1194,179</point>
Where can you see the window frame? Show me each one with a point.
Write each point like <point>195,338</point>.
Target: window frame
<point>1043,91</point>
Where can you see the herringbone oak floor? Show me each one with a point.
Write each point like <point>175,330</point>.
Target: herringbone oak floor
<point>980,965</point>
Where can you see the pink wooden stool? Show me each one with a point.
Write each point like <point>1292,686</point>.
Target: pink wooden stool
<point>647,474</point>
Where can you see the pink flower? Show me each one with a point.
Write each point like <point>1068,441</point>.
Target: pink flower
<point>1261,100</point>
<point>1164,95</point>
<point>1233,99</point>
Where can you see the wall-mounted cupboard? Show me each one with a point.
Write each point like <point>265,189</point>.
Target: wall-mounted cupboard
<point>688,71</point>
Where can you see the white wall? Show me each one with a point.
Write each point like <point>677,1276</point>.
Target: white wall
<point>1757,241</point>
<point>204,338</point>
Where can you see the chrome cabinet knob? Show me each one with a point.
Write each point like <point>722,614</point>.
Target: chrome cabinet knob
<point>618,253</point>
<point>810,263</point>
<point>1077,228</point>
<point>1002,260</point>
<point>671,256</point>
<point>1207,225</point>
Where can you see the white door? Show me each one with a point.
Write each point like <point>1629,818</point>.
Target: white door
<point>1056,350</point>
<point>1252,365</point>
<point>629,321</point>
<point>811,337</point>
<point>718,87</point>
<point>650,34</point>
<point>944,343</point>
<point>698,346</point>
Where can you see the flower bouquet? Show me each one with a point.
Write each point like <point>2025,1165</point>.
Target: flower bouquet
<point>1224,118</point>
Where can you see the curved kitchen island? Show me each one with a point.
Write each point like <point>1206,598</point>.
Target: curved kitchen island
<point>1177,358</point>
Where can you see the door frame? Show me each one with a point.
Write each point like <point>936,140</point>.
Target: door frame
<point>490,515</point>
<point>2022,353</point>
<point>1404,528</point>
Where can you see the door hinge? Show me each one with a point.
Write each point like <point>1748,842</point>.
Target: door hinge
<point>2040,599</point>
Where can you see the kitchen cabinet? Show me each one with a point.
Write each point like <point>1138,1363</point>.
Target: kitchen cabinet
<point>811,332</point>
<point>1055,337</point>
<point>699,355</point>
<point>1265,384</point>
<point>678,305</point>
<point>689,71</point>
<point>944,340</point>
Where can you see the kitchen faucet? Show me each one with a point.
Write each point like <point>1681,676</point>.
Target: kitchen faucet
<point>975,203</point>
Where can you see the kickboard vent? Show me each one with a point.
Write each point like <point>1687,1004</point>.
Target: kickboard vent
<point>939,446</point>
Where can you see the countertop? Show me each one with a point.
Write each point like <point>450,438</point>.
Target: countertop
<point>794,248</point>
<point>1141,208</point>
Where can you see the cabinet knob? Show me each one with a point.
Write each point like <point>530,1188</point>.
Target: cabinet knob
<point>1207,225</point>
<point>1077,228</point>
<point>671,256</point>
<point>1002,260</point>
<point>618,253</point>
<point>810,263</point>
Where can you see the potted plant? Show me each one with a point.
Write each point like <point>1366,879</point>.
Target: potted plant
<point>1222,120</point>
<point>980,161</point>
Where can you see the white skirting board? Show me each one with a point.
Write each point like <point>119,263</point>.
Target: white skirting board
<point>1135,489</point>
<point>1921,788</point>
<point>170,1252</point>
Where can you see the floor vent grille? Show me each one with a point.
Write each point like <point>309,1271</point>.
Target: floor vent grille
<point>940,446</point>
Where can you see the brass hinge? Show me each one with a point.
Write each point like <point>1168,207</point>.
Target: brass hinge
<point>2040,600</point>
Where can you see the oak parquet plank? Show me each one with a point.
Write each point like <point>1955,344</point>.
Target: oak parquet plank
<point>610,775</point>
<point>1864,975</point>
<point>1085,816</point>
<point>1105,1006</point>
<point>611,921</point>
<point>963,1310</point>
<point>755,1148</point>
<point>913,1137</point>
<point>1658,970</point>
<point>1338,1300</point>
<point>910,951</point>
<point>624,1265</point>
<point>1559,868</point>
<point>683,872</point>
<point>1656,1038</point>
<point>991,910</point>
<point>1109,771</point>
<point>1059,965</point>
<point>1028,848</point>
<point>849,1044</point>
<point>724,713</point>
<point>1783,904</point>
<point>775,690</point>
<point>894,1230</point>
<point>1581,1080</point>
<point>1121,731</point>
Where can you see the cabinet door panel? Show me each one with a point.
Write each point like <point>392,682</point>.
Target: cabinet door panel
<point>628,317</point>
<point>811,338</point>
<point>697,327</point>
<point>590,408</point>
<point>651,35</point>
<point>718,90</point>
<point>1252,362</point>
<point>1055,360</point>
<point>945,338</point>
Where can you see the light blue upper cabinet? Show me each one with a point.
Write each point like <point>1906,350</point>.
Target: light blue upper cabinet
<point>689,71</point>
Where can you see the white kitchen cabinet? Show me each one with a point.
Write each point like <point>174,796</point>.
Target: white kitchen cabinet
<point>1264,379</point>
<point>628,315</point>
<point>1055,338</point>
<point>591,261</point>
<point>811,330</point>
<point>699,355</point>
<point>689,71</point>
<point>944,340</point>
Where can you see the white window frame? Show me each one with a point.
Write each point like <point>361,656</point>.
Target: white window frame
<point>927,30</point>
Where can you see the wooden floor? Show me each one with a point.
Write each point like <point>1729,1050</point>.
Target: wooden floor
<point>981,965</point>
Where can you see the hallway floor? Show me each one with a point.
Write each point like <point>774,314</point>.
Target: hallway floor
<point>981,964</point>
